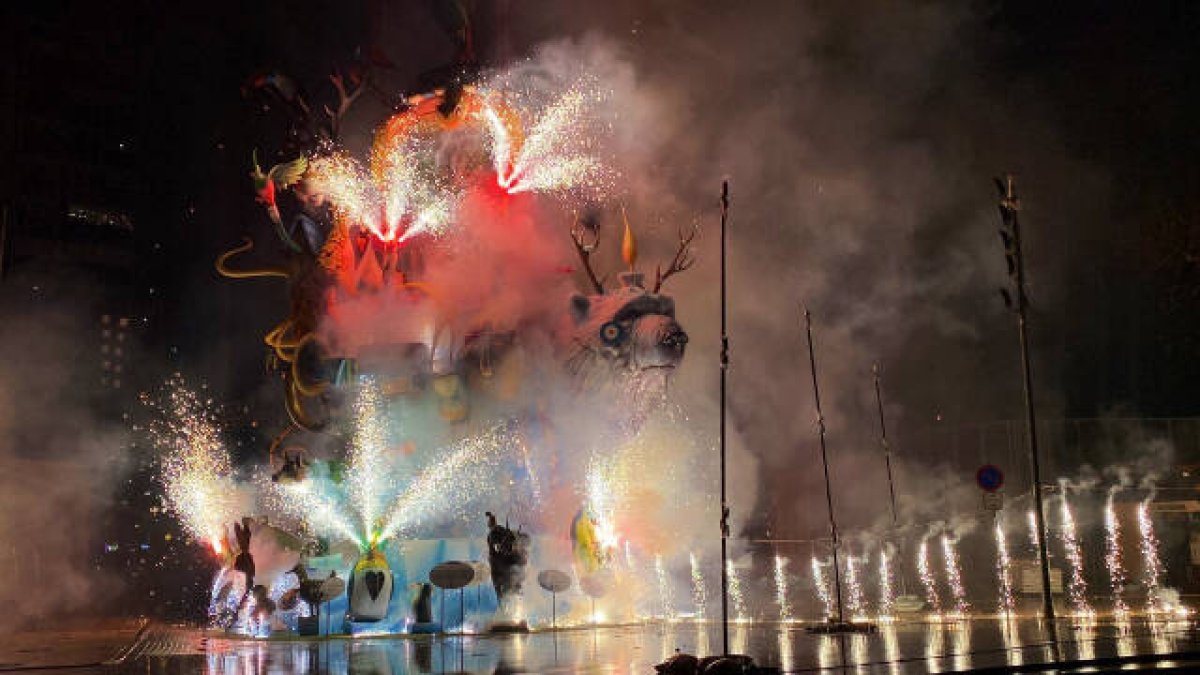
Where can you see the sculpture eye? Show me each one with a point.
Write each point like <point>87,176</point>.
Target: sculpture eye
<point>612,334</point>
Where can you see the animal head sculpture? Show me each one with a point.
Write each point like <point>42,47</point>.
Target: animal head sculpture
<point>629,328</point>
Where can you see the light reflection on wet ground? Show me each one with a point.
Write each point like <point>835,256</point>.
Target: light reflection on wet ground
<point>898,648</point>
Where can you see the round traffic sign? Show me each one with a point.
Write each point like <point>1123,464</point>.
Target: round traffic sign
<point>989,477</point>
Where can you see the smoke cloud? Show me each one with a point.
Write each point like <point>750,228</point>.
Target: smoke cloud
<point>61,458</point>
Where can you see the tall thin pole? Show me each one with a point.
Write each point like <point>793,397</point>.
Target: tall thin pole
<point>883,441</point>
<point>1009,207</point>
<point>887,459</point>
<point>724,370</point>
<point>833,532</point>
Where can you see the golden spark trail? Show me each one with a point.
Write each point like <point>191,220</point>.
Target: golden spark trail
<point>367,471</point>
<point>554,155</point>
<point>887,594</point>
<point>822,587</point>
<point>1007,604</point>
<point>196,471</point>
<point>699,595</point>
<point>927,578</point>
<point>854,596</point>
<point>1077,587</point>
<point>450,480</point>
<point>1151,562</point>
<point>735,591</point>
<point>664,590</point>
<point>954,576</point>
<point>1112,556</point>
<point>781,589</point>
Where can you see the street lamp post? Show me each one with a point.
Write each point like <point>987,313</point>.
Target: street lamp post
<point>1010,234</point>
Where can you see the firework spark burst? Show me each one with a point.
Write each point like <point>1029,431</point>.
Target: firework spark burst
<point>1077,586</point>
<point>455,479</point>
<point>1007,603</point>
<point>664,589</point>
<point>887,593</point>
<point>855,600</point>
<point>1112,556</point>
<point>199,486</point>
<point>367,476</point>
<point>735,591</point>
<point>928,581</point>
<point>699,595</point>
<point>1152,567</point>
<point>954,575</point>
<point>822,586</point>
<point>554,155</point>
<point>781,589</point>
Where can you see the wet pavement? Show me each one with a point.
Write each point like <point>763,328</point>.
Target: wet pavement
<point>899,648</point>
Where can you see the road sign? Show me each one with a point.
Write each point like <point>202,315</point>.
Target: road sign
<point>989,477</point>
<point>993,501</point>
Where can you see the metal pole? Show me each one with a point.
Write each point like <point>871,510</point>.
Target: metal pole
<point>833,533</point>
<point>1009,207</point>
<point>887,449</point>
<point>887,459</point>
<point>724,370</point>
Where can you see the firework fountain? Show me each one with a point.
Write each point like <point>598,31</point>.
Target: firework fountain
<point>855,600</point>
<point>954,575</point>
<point>1006,605</point>
<point>699,595</point>
<point>928,580</point>
<point>1157,601</point>
<point>887,594</point>
<point>781,589</point>
<point>822,587</point>
<point>736,593</point>
<point>1077,586</point>
<point>1112,555</point>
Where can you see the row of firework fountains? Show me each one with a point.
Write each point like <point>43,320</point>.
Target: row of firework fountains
<point>200,486</point>
<point>871,581</point>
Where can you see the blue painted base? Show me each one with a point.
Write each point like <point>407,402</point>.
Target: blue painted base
<point>425,628</point>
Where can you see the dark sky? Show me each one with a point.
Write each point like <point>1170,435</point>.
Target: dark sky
<point>1116,80</point>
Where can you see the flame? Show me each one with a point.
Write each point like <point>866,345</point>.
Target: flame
<point>628,242</point>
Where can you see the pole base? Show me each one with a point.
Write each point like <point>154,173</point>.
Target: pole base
<point>832,627</point>
<point>509,627</point>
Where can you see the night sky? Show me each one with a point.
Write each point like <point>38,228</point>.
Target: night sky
<point>165,83</point>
